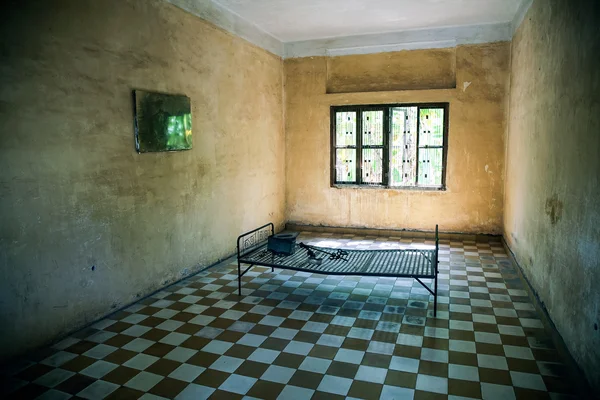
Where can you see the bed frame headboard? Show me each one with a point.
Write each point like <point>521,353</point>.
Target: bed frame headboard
<point>253,239</point>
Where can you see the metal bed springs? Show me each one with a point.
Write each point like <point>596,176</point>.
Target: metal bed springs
<point>406,263</point>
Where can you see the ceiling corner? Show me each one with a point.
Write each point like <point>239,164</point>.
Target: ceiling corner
<point>520,15</point>
<point>231,22</point>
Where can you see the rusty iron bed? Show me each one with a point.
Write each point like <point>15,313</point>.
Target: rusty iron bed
<point>397,263</point>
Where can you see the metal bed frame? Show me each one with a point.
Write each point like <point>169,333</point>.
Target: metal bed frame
<point>405,263</point>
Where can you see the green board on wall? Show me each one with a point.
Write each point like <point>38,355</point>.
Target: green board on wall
<point>163,122</point>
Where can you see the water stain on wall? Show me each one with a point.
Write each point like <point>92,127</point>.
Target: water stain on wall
<point>552,155</point>
<point>554,208</point>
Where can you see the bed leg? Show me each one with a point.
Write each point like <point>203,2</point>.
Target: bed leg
<point>239,279</point>
<point>437,252</point>
<point>435,297</point>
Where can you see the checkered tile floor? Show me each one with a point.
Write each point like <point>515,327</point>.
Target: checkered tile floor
<point>296,335</point>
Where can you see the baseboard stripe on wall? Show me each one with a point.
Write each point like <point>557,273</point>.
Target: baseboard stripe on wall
<point>400,233</point>
<point>226,260</point>
<point>576,373</point>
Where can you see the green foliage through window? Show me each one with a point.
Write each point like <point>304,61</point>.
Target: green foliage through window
<point>398,145</point>
<point>163,122</point>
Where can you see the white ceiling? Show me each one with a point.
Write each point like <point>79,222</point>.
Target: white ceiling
<point>303,28</point>
<point>298,20</point>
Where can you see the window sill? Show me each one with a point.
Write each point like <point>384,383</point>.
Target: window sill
<point>397,188</point>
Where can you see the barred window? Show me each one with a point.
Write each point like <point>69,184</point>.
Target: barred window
<point>391,145</point>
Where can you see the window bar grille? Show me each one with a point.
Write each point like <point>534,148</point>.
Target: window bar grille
<point>359,146</point>
<point>379,146</point>
<point>385,168</point>
<point>417,145</point>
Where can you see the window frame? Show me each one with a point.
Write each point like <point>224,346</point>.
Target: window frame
<point>387,114</point>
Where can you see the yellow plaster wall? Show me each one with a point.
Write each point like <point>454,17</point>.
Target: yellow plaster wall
<point>473,201</point>
<point>408,70</point>
<point>73,191</point>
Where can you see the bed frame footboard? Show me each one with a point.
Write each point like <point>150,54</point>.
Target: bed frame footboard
<point>434,265</point>
<point>249,241</point>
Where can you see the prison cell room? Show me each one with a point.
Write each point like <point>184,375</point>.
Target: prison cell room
<point>269,199</point>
